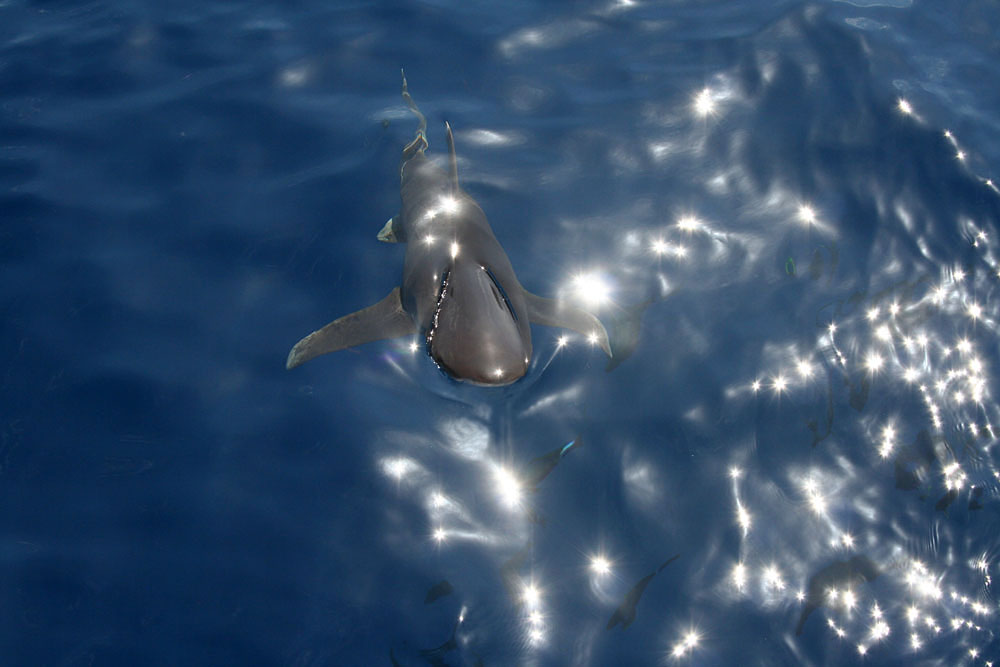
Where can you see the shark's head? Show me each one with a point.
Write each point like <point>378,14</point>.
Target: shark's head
<point>477,333</point>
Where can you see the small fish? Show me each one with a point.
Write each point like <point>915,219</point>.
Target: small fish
<point>437,591</point>
<point>626,611</point>
<point>540,467</point>
<point>858,569</point>
<point>435,656</point>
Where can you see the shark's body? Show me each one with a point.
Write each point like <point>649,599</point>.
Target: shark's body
<point>458,289</point>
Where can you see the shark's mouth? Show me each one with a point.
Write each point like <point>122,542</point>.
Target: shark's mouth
<point>473,333</point>
<point>442,294</point>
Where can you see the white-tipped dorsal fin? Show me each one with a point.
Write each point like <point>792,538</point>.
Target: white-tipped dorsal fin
<point>452,158</point>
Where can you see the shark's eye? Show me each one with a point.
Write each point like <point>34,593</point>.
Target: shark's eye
<point>502,293</point>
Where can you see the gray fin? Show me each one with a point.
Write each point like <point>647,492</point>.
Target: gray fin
<point>624,329</point>
<point>385,319</point>
<point>555,313</point>
<point>419,143</point>
<point>452,158</point>
<point>388,234</point>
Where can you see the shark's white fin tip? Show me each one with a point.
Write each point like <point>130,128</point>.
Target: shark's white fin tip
<point>452,158</point>
<point>386,234</point>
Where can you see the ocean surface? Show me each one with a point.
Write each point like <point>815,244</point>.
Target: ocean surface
<point>786,214</point>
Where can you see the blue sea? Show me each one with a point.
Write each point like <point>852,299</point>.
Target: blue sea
<point>786,214</point>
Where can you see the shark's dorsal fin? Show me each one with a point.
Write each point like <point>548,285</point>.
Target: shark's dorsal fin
<point>452,158</point>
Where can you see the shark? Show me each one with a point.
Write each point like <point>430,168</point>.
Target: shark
<point>458,289</point>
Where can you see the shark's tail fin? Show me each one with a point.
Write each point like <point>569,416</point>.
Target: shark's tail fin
<point>419,143</point>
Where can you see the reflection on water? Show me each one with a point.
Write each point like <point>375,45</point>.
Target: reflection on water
<point>876,534</point>
<point>785,214</point>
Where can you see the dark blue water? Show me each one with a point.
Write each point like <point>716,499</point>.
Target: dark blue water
<point>803,196</point>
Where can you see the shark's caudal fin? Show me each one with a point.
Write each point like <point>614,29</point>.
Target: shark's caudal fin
<point>385,319</point>
<point>555,313</point>
<point>419,143</point>
<point>391,232</point>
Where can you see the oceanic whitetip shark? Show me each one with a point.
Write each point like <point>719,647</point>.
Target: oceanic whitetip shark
<point>458,290</point>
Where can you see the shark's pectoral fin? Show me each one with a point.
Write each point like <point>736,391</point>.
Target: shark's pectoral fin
<point>555,313</point>
<point>385,319</point>
<point>624,330</point>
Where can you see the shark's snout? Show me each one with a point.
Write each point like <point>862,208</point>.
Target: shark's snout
<point>475,334</point>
